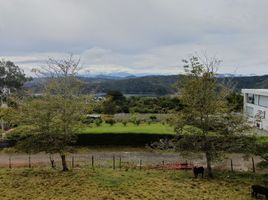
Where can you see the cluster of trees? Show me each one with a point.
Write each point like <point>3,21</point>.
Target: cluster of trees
<point>115,102</point>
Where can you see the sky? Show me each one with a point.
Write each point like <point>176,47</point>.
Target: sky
<point>136,36</point>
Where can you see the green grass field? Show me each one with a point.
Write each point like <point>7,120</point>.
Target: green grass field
<point>108,184</point>
<point>154,128</point>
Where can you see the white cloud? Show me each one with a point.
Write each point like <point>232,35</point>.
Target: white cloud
<point>136,36</point>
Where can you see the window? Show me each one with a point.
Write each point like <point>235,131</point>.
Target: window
<point>249,111</point>
<point>263,101</point>
<point>250,98</point>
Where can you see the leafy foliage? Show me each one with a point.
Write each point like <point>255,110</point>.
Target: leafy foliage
<point>262,151</point>
<point>213,124</point>
<point>114,105</point>
<point>11,76</point>
<point>55,117</point>
<point>12,79</point>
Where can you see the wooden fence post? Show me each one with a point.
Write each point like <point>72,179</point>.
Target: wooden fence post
<point>232,167</point>
<point>253,165</point>
<point>9,162</point>
<point>29,161</point>
<point>120,164</point>
<point>113,162</point>
<point>72,161</point>
<point>92,162</point>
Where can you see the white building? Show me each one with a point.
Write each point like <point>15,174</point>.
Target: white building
<point>256,107</point>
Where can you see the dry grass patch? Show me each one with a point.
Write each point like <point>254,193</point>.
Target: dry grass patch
<point>84,184</point>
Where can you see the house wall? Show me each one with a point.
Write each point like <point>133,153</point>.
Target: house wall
<point>253,109</point>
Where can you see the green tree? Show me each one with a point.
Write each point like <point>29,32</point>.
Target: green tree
<point>210,123</point>
<point>115,95</point>
<point>9,115</point>
<point>262,151</point>
<point>115,103</point>
<point>235,101</point>
<point>55,117</point>
<point>109,106</point>
<point>12,79</point>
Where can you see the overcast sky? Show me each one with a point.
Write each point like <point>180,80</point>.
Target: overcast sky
<point>136,36</point>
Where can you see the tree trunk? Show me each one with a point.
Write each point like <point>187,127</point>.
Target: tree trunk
<point>64,163</point>
<point>209,160</point>
<point>52,162</point>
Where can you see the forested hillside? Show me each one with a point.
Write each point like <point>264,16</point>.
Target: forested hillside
<point>155,85</point>
<point>159,85</point>
<point>251,82</point>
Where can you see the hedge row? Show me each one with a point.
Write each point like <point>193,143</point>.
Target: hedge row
<point>110,139</point>
<point>119,139</point>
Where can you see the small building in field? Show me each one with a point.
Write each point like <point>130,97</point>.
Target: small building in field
<point>256,107</point>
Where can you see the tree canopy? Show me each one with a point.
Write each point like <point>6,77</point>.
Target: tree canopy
<point>11,76</point>
<point>213,124</point>
<point>54,118</point>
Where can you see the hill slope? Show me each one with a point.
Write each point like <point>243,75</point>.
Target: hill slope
<point>157,85</point>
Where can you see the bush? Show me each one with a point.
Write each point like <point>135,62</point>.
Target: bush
<point>137,122</point>
<point>153,118</point>
<point>124,123</point>
<point>98,122</point>
<point>91,120</point>
<point>87,120</point>
<point>110,121</point>
<point>263,164</point>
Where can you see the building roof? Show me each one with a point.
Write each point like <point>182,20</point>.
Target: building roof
<point>263,92</point>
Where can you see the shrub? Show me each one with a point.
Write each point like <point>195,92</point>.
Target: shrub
<point>124,123</point>
<point>90,120</point>
<point>137,122</point>
<point>110,121</point>
<point>263,164</point>
<point>98,122</point>
<point>153,118</point>
<point>87,120</point>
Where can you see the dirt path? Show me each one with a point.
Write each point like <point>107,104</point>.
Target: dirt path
<point>105,159</point>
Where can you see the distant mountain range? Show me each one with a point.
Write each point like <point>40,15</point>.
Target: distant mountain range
<point>117,75</point>
<point>120,75</point>
<point>149,85</point>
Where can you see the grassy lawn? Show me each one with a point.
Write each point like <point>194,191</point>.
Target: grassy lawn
<point>107,184</point>
<point>156,128</point>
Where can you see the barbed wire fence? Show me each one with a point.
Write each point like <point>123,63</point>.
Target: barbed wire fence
<point>122,160</point>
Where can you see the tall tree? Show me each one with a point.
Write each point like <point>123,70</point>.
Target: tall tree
<point>54,118</point>
<point>206,110</point>
<point>12,79</point>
